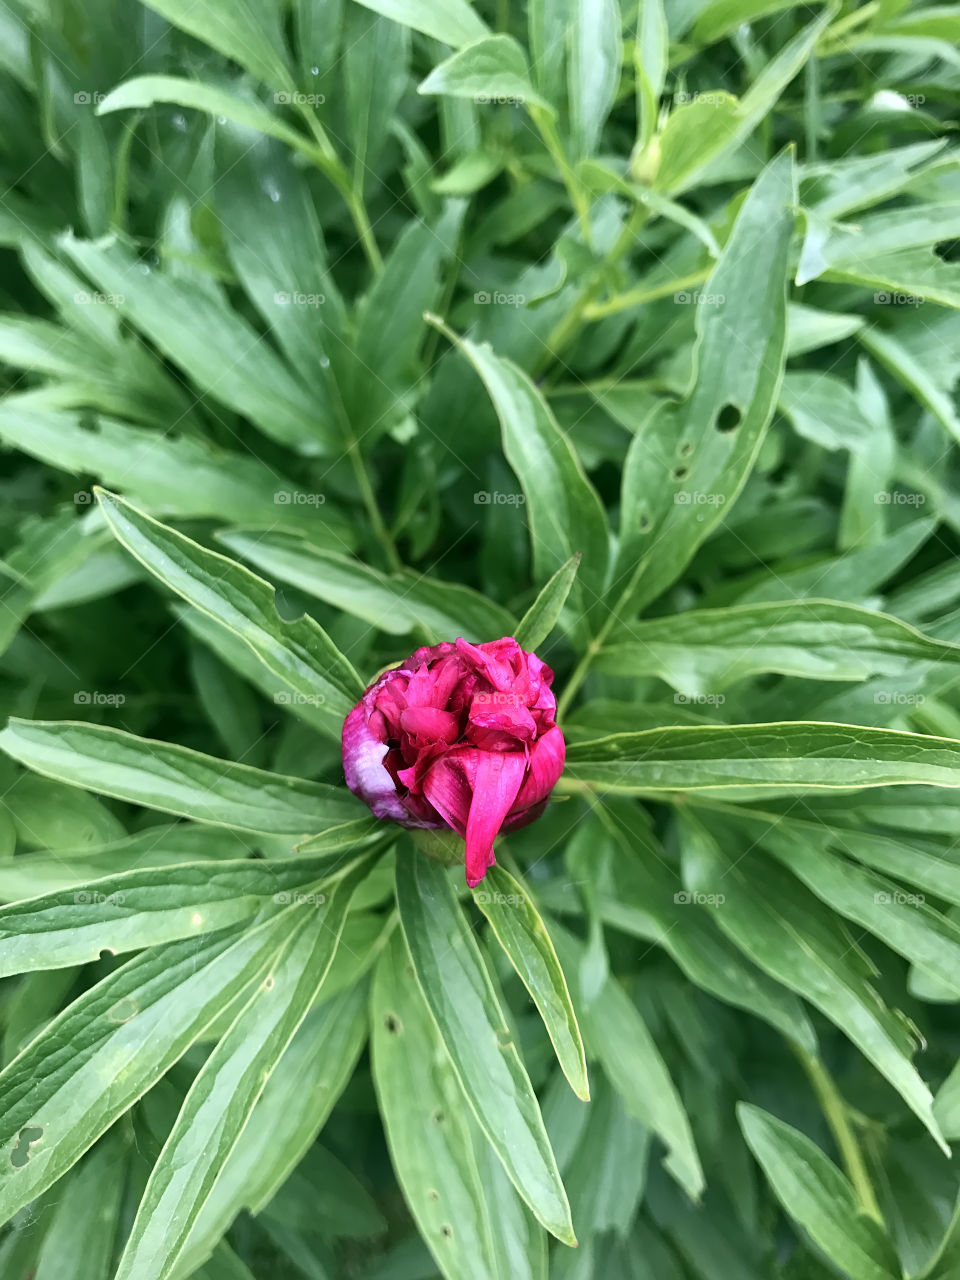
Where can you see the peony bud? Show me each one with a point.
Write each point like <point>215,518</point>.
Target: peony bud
<point>460,736</point>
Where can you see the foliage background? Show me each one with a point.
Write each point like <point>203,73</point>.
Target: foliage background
<point>480,319</point>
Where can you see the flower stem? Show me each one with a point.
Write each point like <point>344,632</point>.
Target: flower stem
<point>837,1115</point>
<point>381,532</point>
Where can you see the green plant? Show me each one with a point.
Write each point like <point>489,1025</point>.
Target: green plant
<point>333,329</point>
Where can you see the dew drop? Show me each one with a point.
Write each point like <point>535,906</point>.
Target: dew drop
<point>324,362</point>
<point>314,71</point>
<point>221,119</point>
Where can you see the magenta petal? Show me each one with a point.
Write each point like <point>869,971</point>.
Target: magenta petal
<point>447,789</point>
<point>496,781</point>
<point>545,765</point>
<point>364,770</point>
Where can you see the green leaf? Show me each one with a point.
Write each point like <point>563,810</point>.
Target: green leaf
<point>650,62</point>
<point>464,1005</point>
<point>427,1124</point>
<point>565,513</point>
<point>79,1242</point>
<point>226,1089</point>
<point>175,779</point>
<point>542,616</point>
<point>785,930</point>
<point>818,1197</point>
<point>146,91</point>
<point>521,932</point>
<point>900,918</point>
<point>213,344</point>
<point>295,1103</point>
<point>593,69</point>
<point>143,908</point>
<point>638,892</point>
<point>396,603</point>
<point>300,653</point>
<point>684,470</point>
<point>783,758</point>
<point>620,1040</point>
<point>172,475</point>
<point>129,1028</point>
<point>489,69</point>
<point>707,650</point>
<point>245,31</point>
<point>49,816</point>
<point>456,22</point>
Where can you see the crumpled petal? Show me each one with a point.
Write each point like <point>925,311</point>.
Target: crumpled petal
<point>460,735</point>
<point>497,779</point>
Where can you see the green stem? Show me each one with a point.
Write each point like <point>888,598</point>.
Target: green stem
<point>580,671</point>
<point>333,167</point>
<point>380,530</point>
<point>837,1115</point>
<point>636,297</point>
<point>551,140</point>
<point>567,329</point>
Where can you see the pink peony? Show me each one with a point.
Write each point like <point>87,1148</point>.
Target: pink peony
<point>462,736</point>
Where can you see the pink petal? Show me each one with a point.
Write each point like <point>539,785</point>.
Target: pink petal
<point>447,789</point>
<point>545,765</point>
<point>363,767</point>
<point>496,782</point>
<point>430,724</point>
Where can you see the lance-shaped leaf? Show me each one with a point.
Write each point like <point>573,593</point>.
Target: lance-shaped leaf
<point>455,22</point>
<point>427,1126</point>
<point>175,779</point>
<point>147,907</point>
<point>543,615</point>
<point>818,1197</point>
<point>565,514</point>
<point>521,932</point>
<point>685,467</point>
<point>783,928</point>
<point>620,1040</point>
<point>706,650</point>
<point>228,1085</point>
<point>395,603</point>
<point>245,32</point>
<point>79,1244</point>
<point>294,1106</point>
<point>300,653</point>
<point>463,1001</point>
<point>128,1030</point>
<point>487,69</point>
<point>772,759</point>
